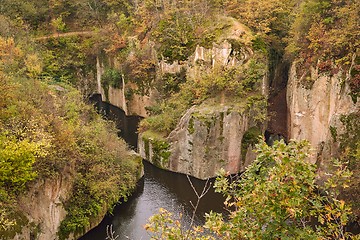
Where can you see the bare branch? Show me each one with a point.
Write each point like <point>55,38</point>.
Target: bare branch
<point>199,196</point>
<point>110,233</point>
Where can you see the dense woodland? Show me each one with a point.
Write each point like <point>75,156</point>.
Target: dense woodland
<point>48,52</point>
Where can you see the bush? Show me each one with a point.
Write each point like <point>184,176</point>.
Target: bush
<point>176,37</point>
<point>48,130</point>
<point>275,198</point>
<point>111,77</point>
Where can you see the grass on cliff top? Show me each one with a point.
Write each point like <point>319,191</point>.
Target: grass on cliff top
<point>151,135</point>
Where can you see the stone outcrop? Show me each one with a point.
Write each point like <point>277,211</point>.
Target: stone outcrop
<point>134,105</point>
<point>209,137</point>
<point>218,54</point>
<point>42,209</point>
<point>315,105</point>
<point>205,140</point>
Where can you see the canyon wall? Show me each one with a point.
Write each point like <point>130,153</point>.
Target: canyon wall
<point>211,136</point>
<point>41,209</point>
<point>316,104</point>
<point>205,140</point>
<point>134,105</point>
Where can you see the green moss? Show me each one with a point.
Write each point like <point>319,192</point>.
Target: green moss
<point>333,132</point>
<point>191,128</point>
<point>159,146</point>
<point>20,222</point>
<point>147,148</point>
<point>161,153</point>
<point>250,138</point>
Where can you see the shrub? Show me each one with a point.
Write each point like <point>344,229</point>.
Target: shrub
<point>48,130</point>
<point>111,77</point>
<point>275,198</point>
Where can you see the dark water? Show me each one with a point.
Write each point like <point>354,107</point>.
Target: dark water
<point>127,125</point>
<point>158,189</point>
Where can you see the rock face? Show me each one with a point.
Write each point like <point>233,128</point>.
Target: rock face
<point>117,96</point>
<point>204,141</point>
<point>208,137</point>
<point>316,105</point>
<point>219,55</point>
<point>42,209</point>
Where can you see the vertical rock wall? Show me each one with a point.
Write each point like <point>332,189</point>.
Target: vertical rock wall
<point>203,59</point>
<point>204,141</point>
<point>42,210</point>
<point>315,105</point>
<point>133,105</point>
<point>43,207</point>
<point>207,138</point>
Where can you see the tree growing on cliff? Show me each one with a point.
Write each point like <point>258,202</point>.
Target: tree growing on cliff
<point>275,198</point>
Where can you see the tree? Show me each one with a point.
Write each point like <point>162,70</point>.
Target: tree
<point>275,198</point>
<point>176,37</point>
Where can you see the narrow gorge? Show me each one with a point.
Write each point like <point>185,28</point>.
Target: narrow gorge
<point>265,90</point>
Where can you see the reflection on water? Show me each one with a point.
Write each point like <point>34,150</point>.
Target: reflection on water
<point>158,189</point>
<point>127,125</point>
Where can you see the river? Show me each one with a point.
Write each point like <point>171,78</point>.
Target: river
<point>157,189</point>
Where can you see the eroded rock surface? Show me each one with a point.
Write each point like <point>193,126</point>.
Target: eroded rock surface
<point>205,140</point>
<point>315,107</point>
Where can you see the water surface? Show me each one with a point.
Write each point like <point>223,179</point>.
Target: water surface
<point>158,189</point>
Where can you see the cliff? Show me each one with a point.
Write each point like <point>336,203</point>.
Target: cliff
<point>124,96</point>
<point>229,79</point>
<point>43,208</point>
<point>322,110</point>
<point>316,104</point>
<point>205,140</point>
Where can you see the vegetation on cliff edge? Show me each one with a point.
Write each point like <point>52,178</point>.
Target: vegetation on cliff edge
<point>47,131</point>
